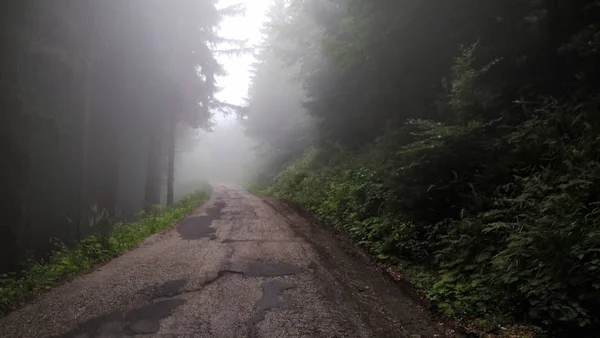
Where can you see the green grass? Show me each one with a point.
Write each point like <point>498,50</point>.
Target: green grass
<point>91,251</point>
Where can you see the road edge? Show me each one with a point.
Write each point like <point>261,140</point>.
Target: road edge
<point>318,234</point>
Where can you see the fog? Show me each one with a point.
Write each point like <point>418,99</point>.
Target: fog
<point>268,128</point>
<point>223,155</point>
<point>114,107</point>
<point>460,136</point>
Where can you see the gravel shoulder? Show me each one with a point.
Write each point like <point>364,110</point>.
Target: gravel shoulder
<point>240,266</point>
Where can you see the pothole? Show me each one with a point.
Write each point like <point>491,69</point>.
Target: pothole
<point>198,227</point>
<point>271,298</point>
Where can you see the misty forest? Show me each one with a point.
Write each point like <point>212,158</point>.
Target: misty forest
<point>456,140</point>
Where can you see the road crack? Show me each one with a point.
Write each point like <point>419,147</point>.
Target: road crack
<point>179,290</point>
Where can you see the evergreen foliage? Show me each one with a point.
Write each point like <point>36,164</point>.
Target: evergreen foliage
<point>91,93</point>
<point>460,138</point>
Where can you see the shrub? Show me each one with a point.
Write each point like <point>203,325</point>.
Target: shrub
<point>505,218</point>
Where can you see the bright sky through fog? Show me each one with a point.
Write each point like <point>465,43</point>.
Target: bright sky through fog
<point>242,27</point>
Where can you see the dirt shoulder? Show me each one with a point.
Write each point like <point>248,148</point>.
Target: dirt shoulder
<point>388,305</point>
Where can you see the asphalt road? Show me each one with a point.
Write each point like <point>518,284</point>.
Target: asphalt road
<point>240,266</point>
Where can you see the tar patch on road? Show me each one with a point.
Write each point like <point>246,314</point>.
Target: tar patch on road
<point>168,289</point>
<point>143,320</point>
<point>271,299</point>
<point>199,226</point>
<point>271,270</point>
<point>259,241</point>
<point>146,319</point>
<point>271,291</point>
<point>271,295</point>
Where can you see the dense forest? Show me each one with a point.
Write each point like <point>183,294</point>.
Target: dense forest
<point>94,96</point>
<point>456,138</point>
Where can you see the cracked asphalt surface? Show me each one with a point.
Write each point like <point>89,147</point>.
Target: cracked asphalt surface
<point>240,266</point>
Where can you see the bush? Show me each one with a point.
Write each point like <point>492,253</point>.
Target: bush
<point>505,218</point>
<point>93,250</point>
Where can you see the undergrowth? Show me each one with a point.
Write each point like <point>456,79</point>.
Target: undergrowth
<point>15,289</point>
<point>502,222</point>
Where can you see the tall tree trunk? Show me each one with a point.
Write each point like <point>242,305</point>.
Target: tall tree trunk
<point>111,178</point>
<point>82,102</point>
<point>83,70</point>
<point>13,184</point>
<point>171,160</point>
<point>152,195</point>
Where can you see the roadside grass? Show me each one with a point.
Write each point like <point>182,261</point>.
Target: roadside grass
<point>63,263</point>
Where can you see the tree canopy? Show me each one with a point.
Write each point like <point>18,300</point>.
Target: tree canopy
<point>92,92</point>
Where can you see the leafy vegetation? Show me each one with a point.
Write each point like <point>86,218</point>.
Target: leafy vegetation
<point>497,245</point>
<point>93,250</point>
<point>460,138</point>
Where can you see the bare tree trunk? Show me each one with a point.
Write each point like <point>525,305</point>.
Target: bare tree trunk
<point>171,159</point>
<point>152,195</point>
<point>111,178</point>
<point>82,101</point>
<point>85,139</point>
